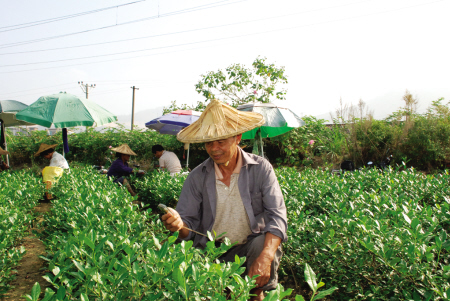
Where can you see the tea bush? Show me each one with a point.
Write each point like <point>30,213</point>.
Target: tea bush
<point>19,192</point>
<point>377,236</point>
<point>100,247</point>
<point>159,187</point>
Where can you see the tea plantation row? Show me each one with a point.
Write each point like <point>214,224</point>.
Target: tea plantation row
<point>375,236</point>
<point>19,193</point>
<point>101,247</point>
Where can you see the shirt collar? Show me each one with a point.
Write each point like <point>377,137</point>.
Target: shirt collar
<point>237,169</point>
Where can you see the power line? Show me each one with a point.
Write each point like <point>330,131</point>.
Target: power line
<point>41,22</point>
<point>183,11</point>
<point>186,31</point>
<point>212,40</point>
<point>165,47</point>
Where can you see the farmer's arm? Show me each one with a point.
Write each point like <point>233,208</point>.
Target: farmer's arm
<point>261,265</point>
<point>276,223</point>
<point>188,210</point>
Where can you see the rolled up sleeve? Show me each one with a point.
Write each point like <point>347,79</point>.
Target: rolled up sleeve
<point>273,202</point>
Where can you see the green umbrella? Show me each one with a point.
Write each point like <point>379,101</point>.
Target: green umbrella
<point>65,110</point>
<point>279,120</point>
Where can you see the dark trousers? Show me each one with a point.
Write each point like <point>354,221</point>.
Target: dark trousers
<point>251,250</point>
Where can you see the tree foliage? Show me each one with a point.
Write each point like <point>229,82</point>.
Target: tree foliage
<point>238,84</point>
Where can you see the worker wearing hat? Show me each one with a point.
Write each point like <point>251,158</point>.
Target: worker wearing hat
<point>3,165</point>
<point>119,168</point>
<point>47,151</point>
<point>233,192</point>
<point>56,159</point>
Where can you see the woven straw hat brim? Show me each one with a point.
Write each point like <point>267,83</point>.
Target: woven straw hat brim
<point>219,121</point>
<point>3,152</point>
<point>124,149</point>
<point>43,147</point>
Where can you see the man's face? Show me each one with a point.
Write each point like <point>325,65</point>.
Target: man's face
<point>221,151</point>
<point>48,156</point>
<point>125,157</point>
<point>158,154</point>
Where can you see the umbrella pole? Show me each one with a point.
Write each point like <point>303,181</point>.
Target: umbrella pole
<point>3,135</point>
<point>187,161</point>
<point>260,140</point>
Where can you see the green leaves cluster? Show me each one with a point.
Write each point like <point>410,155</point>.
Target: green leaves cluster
<point>100,247</point>
<point>159,188</point>
<point>19,192</point>
<point>377,236</point>
<point>238,84</point>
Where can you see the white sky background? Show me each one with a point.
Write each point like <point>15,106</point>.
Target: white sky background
<point>372,49</point>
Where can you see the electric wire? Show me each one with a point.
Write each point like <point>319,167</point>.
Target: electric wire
<point>186,31</point>
<point>46,21</point>
<point>183,11</point>
<point>143,50</point>
<point>218,39</point>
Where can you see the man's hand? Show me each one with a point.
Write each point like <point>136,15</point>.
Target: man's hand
<point>172,221</point>
<point>261,267</point>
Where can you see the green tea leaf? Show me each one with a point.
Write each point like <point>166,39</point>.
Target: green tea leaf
<point>323,294</point>
<point>310,277</point>
<point>35,291</point>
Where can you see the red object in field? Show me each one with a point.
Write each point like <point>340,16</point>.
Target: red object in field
<point>186,112</point>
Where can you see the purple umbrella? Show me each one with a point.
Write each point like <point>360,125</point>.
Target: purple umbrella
<point>174,122</point>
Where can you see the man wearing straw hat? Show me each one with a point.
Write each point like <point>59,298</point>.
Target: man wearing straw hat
<point>3,165</point>
<point>233,192</point>
<point>119,168</point>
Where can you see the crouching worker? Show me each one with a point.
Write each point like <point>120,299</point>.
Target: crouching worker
<point>233,192</point>
<point>167,160</point>
<point>119,168</point>
<point>55,170</point>
<point>3,165</point>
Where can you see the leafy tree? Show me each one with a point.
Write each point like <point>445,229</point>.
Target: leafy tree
<point>201,105</point>
<point>239,85</point>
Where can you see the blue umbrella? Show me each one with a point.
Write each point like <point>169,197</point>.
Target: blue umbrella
<point>174,122</point>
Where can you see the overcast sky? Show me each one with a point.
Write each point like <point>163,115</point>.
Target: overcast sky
<point>369,49</point>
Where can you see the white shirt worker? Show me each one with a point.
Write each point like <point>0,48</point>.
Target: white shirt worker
<point>59,161</point>
<point>170,161</point>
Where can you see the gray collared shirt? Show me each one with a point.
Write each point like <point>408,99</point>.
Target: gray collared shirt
<point>260,193</point>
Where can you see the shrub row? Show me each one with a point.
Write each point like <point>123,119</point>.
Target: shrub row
<point>100,247</point>
<point>375,236</point>
<point>19,192</point>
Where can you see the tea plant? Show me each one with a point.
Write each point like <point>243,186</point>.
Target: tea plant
<point>19,192</point>
<point>378,236</point>
<point>101,248</point>
<point>159,187</point>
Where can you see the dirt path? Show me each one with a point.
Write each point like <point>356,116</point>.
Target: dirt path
<point>30,269</point>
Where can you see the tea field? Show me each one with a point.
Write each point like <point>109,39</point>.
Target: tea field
<point>372,235</point>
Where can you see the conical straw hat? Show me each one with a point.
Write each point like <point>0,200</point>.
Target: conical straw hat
<point>124,149</point>
<point>3,152</point>
<point>43,147</point>
<point>219,121</point>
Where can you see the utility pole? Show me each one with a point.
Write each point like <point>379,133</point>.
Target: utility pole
<point>85,88</point>
<point>132,108</point>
